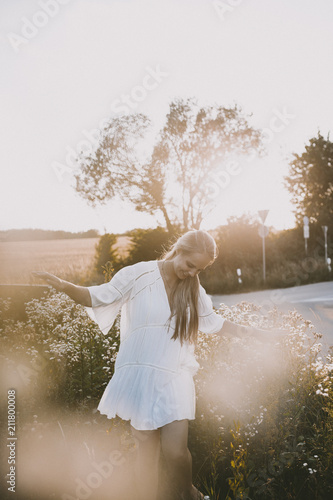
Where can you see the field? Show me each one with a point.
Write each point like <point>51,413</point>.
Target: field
<point>70,259</point>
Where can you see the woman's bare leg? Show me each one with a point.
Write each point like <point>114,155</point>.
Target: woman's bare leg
<point>147,460</point>
<point>174,439</point>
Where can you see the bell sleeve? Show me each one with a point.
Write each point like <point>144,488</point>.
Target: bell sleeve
<point>209,320</point>
<point>108,298</point>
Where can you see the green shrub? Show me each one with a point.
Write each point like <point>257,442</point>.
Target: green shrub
<point>148,244</point>
<point>105,254</point>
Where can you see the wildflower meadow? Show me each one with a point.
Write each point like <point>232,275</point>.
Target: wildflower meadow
<point>264,414</point>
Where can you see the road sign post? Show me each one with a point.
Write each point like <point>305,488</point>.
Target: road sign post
<point>325,229</point>
<point>263,256</point>
<point>306,233</point>
<point>263,232</point>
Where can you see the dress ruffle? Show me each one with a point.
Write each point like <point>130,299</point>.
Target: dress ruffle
<point>149,397</point>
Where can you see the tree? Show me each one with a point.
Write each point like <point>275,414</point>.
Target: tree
<point>310,181</point>
<point>171,180</point>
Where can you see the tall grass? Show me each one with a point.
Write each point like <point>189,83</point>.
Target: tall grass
<point>265,412</point>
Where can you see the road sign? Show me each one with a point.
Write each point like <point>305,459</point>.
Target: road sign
<point>306,232</point>
<point>263,214</point>
<point>306,221</point>
<point>263,231</point>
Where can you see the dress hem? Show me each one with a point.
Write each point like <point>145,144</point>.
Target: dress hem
<point>129,420</point>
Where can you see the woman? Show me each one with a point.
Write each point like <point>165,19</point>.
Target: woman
<point>163,306</point>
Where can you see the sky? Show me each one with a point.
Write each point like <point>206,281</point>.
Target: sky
<point>67,65</point>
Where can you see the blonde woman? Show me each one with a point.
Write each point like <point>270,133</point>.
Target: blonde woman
<point>163,306</point>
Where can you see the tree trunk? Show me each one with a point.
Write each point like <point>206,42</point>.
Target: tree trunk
<point>185,219</point>
<point>168,222</point>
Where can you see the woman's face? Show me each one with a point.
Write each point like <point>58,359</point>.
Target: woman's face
<point>190,264</point>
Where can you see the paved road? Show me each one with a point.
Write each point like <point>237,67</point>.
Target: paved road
<point>314,302</point>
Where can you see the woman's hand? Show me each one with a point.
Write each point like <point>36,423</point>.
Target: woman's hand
<point>230,329</point>
<point>50,279</point>
<point>80,294</point>
<point>274,335</point>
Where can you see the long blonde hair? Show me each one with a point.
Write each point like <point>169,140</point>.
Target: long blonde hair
<point>185,294</point>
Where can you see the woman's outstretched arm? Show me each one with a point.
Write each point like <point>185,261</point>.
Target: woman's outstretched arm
<point>230,329</point>
<point>80,294</point>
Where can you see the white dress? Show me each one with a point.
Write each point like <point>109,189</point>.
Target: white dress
<point>153,380</point>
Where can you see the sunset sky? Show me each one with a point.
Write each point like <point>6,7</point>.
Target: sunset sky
<point>62,78</point>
